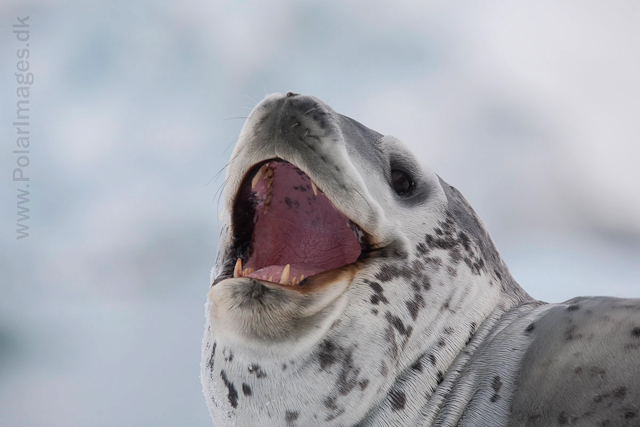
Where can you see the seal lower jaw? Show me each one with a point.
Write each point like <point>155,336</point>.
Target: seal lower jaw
<point>252,310</point>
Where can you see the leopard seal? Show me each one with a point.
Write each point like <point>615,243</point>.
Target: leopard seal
<point>353,286</point>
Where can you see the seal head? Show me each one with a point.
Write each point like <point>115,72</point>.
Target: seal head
<point>348,276</point>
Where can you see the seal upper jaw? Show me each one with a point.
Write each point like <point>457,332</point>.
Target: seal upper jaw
<point>279,129</point>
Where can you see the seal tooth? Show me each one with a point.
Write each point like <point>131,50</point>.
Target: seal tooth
<point>269,182</point>
<point>237,271</point>
<point>269,172</point>
<point>284,278</point>
<point>301,277</point>
<point>314,188</point>
<point>271,278</point>
<point>256,178</point>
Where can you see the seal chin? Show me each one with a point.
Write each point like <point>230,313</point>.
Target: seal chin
<point>252,310</point>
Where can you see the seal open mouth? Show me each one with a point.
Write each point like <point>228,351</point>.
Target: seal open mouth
<point>286,230</point>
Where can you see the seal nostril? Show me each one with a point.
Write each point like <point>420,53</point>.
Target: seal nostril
<point>290,94</point>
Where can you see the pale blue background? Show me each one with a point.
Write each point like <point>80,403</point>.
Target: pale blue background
<point>529,108</point>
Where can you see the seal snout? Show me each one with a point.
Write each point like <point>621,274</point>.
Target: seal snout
<point>295,117</point>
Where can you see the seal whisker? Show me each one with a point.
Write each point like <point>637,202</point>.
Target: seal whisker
<point>310,110</point>
<point>251,98</point>
<point>234,118</point>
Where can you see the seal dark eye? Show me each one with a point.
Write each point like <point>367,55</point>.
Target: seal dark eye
<point>401,182</point>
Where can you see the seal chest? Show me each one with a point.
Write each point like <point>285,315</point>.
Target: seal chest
<point>353,286</point>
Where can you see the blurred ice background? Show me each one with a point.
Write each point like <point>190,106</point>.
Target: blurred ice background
<point>530,108</point>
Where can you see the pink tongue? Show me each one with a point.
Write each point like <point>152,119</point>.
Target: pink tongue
<point>298,228</point>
